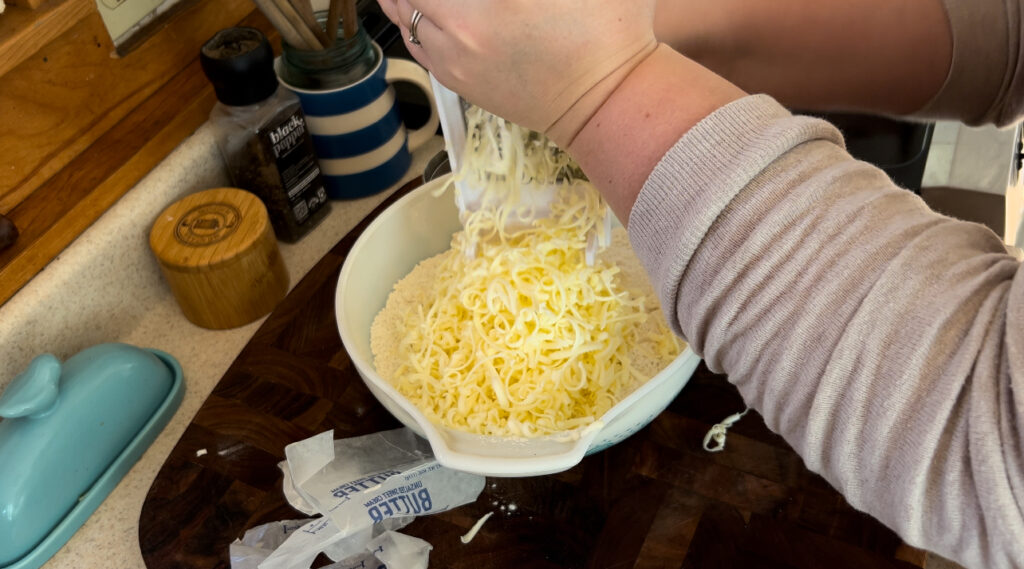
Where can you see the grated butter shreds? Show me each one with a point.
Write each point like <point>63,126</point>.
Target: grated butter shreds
<point>522,338</point>
<point>509,162</point>
<point>645,347</point>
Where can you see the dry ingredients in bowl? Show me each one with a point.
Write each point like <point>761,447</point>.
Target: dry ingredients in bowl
<point>523,337</point>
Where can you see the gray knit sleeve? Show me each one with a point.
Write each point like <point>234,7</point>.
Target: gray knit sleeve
<point>882,340</point>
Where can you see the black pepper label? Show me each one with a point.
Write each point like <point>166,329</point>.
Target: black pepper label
<point>207,224</point>
<point>291,147</point>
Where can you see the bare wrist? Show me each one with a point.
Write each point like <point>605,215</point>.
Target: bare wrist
<point>648,111</point>
<point>564,130</point>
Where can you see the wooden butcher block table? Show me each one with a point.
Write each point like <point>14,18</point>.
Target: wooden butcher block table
<point>655,500</point>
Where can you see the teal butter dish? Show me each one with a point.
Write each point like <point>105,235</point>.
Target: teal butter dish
<point>69,434</point>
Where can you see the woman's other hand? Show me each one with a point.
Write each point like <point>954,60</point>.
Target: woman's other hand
<point>547,66</point>
<point>879,56</point>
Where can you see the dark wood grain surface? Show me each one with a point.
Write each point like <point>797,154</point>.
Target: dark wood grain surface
<point>656,500</point>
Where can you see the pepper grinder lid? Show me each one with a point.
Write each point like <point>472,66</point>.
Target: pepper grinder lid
<point>240,64</point>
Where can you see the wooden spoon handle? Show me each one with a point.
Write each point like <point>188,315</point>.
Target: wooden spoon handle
<point>273,13</point>
<point>333,16</point>
<point>305,12</point>
<point>309,39</point>
<point>350,18</point>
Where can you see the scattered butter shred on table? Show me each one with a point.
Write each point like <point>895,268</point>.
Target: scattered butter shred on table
<point>476,528</point>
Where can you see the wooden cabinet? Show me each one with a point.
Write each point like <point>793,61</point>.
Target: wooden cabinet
<point>81,125</point>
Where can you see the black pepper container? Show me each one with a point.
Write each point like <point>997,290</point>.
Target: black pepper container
<point>261,132</point>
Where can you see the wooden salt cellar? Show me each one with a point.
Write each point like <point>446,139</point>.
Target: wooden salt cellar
<point>218,252</point>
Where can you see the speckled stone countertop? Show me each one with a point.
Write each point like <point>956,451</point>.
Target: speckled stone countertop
<point>107,287</point>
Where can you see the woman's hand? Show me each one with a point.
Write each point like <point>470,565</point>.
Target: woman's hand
<point>544,65</point>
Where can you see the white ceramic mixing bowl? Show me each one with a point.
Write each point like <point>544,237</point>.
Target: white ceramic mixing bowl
<point>418,226</point>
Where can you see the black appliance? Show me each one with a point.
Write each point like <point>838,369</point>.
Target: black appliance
<point>900,148</point>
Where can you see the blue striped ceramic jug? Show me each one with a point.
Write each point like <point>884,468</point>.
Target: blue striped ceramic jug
<point>346,94</point>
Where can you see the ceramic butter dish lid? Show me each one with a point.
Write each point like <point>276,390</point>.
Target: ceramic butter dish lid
<point>69,433</point>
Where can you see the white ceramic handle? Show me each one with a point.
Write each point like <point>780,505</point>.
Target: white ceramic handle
<point>510,466</point>
<point>405,70</point>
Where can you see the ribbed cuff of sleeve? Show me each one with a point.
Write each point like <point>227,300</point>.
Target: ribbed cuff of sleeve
<point>701,174</point>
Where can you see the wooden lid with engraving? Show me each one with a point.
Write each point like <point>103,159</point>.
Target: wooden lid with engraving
<point>218,252</point>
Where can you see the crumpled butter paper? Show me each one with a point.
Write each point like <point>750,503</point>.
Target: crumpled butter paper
<point>391,548</point>
<point>365,488</point>
<point>259,542</point>
<point>303,545</point>
<point>374,477</point>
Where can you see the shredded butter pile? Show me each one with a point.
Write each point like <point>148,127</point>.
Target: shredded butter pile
<point>524,338</point>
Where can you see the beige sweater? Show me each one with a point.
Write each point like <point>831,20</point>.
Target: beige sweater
<point>884,341</point>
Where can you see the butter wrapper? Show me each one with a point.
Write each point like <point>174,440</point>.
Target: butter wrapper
<point>360,481</point>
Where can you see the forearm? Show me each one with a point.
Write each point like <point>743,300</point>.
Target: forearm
<point>877,337</point>
<point>986,78</point>
<point>885,56</point>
